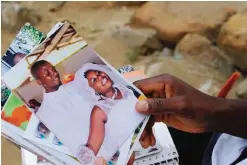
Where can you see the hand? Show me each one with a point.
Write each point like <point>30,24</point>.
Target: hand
<point>183,107</point>
<point>177,104</point>
<point>132,159</point>
<point>147,138</point>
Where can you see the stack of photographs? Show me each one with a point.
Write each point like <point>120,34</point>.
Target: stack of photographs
<point>66,104</point>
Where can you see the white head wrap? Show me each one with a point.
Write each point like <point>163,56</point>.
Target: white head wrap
<point>89,93</point>
<point>81,81</point>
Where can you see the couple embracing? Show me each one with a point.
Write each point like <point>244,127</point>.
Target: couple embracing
<point>92,115</point>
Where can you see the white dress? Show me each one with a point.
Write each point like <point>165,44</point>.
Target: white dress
<point>122,120</point>
<point>67,115</point>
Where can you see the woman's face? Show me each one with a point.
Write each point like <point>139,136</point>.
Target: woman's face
<point>99,81</point>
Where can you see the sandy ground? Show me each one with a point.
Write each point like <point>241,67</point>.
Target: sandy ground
<point>11,154</point>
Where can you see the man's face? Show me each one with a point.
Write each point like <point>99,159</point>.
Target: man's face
<point>48,76</point>
<point>99,81</point>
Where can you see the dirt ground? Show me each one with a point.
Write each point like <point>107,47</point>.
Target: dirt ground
<point>11,154</point>
<point>88,18</point>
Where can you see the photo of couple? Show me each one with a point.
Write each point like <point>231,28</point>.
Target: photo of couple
<point>103,105</point>
<point>78,96</point>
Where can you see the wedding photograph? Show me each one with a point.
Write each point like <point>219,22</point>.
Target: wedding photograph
<point>83,100</point>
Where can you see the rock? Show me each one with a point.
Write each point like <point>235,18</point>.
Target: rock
<point>125,3</point>
<point>55,6</point>
<point>233,39</point>
<point>167,52</point>
<point>186,69</point>
<point>173,20</point>
<point>129,43</point>
<point>242,89</point>
<point>144,41</point>
<point>200,49</point>
<point>100,4</point>
<point>113,51</point>
<point>15,16</point>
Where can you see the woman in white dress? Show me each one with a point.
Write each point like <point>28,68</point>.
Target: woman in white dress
<point>114,103</point>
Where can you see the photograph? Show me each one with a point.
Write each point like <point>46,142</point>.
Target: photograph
<point>4,68</point>
<point>42,131</point>
<point>37,132</point>
<point>53,142</point>
<point>5,93</point>
<point>56,141</point>
<point>84,100</point>
<point>142,151</point>
<point>155,145</point>
<point>16,112</point>
<point>114,159</point>
<point>27,38</point>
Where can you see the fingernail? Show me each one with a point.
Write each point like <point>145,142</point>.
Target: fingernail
<point>142,106</point>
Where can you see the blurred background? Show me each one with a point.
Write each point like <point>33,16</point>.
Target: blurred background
<point>202,43</point>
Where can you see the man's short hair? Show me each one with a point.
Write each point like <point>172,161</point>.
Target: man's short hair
<point>34,68</point>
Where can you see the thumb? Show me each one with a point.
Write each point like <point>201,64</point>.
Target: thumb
<point>160,105</point>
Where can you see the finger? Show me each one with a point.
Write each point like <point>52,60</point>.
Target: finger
<point>142,143</point>
<point>132,159</point>
<point>159,106</point>
<point>150,123</point>
<point>158,118</point>
<point>176,122</point>
<point>146,143</point>
<point>168,91</point>
<point>152,140</point>
<point>144,134</point>
<point>162,93</point>
<point>156,94</point>
<point>151,84</point>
